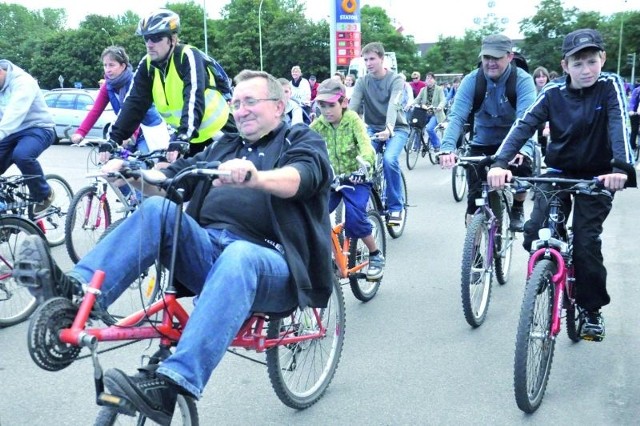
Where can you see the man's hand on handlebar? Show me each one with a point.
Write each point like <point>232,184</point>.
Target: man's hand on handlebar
<point>497,177</point>
<point>243,173</point>
<point>447,160</point>
<point>517,160</point>
<point>613,181</point>
<point>106,149</point>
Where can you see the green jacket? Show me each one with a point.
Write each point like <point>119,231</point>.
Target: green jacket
<point>346,142</point>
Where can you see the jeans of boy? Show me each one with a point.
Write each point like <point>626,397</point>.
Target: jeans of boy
<point>431,131</point>
<point>232,277</point>
<point>589,214</point>
<point>356,224</point>
<point>391,165</point>
<point>23,148</point>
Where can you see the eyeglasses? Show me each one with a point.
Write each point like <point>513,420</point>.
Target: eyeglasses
<point>154,38</point>
<point>415,78</point>
<point>248,102</point>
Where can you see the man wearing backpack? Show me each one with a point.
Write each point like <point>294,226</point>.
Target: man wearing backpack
<point>185,85</point>
<point>493,113</point>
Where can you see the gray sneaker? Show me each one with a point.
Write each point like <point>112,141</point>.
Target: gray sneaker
<point>44,204</point>
<point>376,267</point>
<point>592,326</point>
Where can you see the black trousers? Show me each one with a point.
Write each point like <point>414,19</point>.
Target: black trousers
<point>589,214</point>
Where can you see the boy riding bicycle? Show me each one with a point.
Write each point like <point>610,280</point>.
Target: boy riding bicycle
<point>346,137</point>
<point>586,113</point>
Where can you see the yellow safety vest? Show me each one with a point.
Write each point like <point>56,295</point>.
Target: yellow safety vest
<point>169,101</point>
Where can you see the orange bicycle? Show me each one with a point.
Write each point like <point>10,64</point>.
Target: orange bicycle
<point>351,255</point>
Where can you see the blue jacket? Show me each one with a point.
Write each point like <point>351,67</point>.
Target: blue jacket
<point>495,116</point>
<point>152,116</point>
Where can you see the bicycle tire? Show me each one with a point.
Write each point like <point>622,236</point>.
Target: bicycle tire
<point>458,182</point>
<point>186,414</point>
<point>396,231</point>
<point>142,292</point>
<point>16,302</point>
<point>476,274</point>
<point>86,222</point>
<point>52,221</point>
<point>534,342</point>
<point>363,289</point>
<point>503,244</point>
<point>412,148</point>
<point>300,383</point>
<point>433,157</point>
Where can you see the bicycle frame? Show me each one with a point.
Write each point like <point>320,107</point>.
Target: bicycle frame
<point>340,254</point>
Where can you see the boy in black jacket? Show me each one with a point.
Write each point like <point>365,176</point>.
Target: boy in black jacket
<point>586,114</point>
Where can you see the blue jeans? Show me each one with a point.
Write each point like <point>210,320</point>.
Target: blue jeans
<point>431,131</point>
<point>232,278</point>
<point>356,223</point>
<point>391,165</point>
<point>23,148</point>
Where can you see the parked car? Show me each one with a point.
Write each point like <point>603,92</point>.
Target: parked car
<point>69,107</point>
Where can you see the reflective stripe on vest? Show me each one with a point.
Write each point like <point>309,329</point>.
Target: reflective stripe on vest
<point>169,102</point>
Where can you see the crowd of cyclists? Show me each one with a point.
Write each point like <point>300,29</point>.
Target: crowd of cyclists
<point>283,141</point>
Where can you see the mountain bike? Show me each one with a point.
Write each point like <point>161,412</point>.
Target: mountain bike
<point>379,194</point>
<point>15,199</point>
<point>351,255</point>
<point>302,348</point>
<point>416,145</point>
<point>550,289</point>
<point>90,210</point>
<point>487,248</point>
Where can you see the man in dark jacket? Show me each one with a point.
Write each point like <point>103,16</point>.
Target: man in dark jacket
<point>257,240</point>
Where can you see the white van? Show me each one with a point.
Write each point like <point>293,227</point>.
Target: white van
<point>358,69</point>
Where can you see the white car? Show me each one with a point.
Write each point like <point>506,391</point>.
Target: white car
<point>69,107</point>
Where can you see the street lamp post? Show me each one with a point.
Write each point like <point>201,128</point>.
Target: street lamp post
<point>260,31</point>
<point>204,7</point>
<point>108,35</point>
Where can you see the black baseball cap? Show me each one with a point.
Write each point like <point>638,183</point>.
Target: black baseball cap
<point>581,39</point>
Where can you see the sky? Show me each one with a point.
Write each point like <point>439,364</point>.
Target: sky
<point>448,18</point>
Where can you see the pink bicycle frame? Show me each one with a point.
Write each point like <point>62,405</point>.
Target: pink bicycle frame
<point>559,280</point>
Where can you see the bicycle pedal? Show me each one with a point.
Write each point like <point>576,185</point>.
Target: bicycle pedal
<point>123,405</point>
<point>26,275</point>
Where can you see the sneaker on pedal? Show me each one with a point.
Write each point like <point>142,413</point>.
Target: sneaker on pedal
<point>150,394</point>
<point>395,218</point>
<point>44,204</point>
<point>375,269</point>
<point>517,218</point>
<point>592,326</point>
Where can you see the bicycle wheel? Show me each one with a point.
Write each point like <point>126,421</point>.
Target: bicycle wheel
<point>16,302</point>
<point>412,148</point>
<point>477,272</point>
<point>186,414</point>
<point>503,240</point>
<point>534,342</point>
<point>458,182</point>
<point>363,289</point>
<point>396,230</point>
<point>432,152</point>
<point>143,291</point>
<point>52,220</point>
<point>301,372</point>
<point>87,220</point>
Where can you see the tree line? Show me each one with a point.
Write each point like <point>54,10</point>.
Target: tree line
<point>38,40</point>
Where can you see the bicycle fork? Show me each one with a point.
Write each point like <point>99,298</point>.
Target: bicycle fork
<point>558,280</point>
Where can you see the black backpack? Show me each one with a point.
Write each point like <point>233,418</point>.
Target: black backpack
<point>480,92</point>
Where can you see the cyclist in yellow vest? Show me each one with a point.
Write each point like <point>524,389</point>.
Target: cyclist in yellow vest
<point>176,78</point>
